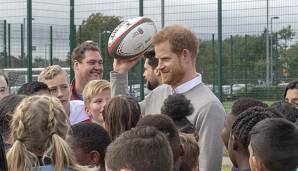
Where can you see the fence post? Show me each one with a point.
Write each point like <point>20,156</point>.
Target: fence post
<point>5,45</point>
<point>213,65</point>
<point>245,64</point>
<point>276,68</point>
<point>141,13</point>
<point>162,13</point>
<point>231,65</point>
<point>106,58</point>
<point>220,50</point>
<point>22,44</point>
<point>9,47</point>
<point>51,45</point>
<point>80,34</point>
<point>29,39</point>
<point>72,39</point>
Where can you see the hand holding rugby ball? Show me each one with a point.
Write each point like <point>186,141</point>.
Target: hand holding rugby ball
<point>131,38</point>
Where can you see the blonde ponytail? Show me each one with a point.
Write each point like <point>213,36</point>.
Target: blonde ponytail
<point>19,158</point>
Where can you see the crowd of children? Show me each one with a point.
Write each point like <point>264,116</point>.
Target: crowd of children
<point>42,129</point>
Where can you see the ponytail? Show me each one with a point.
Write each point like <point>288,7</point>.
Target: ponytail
<point>60,152</point>
<point>19,158</point>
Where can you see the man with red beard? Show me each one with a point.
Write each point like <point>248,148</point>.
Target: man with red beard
<point>87,65</point>
<point>176,49</point>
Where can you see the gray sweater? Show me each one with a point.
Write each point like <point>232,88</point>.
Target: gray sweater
<point>208,117</point>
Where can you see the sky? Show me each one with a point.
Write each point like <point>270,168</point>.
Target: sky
<point>239,17</point>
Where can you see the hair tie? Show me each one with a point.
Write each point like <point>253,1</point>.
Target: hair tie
<point>52,133</point>
<point>20,139</point>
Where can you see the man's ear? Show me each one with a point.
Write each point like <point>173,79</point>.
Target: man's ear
<point>186,55</point>
<point>75,64</point>
<point>95,158</point>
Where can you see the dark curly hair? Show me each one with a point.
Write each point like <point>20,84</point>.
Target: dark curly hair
<point>33,87</point>
<point>289,111</point>
<point>91,136</point>
<point>242,104</point>
<point>248,119</point>
<point>177,107</point>
<point>152,61</point>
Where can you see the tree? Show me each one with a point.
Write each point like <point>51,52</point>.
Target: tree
<point>292,66</point>
<point>284,37</point>
<point>249,62</point>
<point>247,59</point>
<point>95,25</point>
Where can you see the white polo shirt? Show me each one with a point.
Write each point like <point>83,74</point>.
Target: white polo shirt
<point>77,112</point>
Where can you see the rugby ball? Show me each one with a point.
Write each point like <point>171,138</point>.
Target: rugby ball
<point>131,37</point>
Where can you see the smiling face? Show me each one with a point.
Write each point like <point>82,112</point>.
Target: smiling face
<point>90,68</point>
<point>95,108</point>
<point>59,87</point>
<point>170,65</point>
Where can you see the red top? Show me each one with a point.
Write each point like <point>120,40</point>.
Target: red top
<point>74,94</point>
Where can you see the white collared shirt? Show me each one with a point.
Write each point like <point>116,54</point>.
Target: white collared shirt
<point>189,84</point>
<point>77,112</point>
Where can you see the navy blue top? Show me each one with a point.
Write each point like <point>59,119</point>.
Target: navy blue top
<point>175,169</point>
<point>51,168</point>
<point>236,169</point>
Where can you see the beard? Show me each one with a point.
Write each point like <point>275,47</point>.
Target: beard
<point>151,85</point>
<point>173,76</point>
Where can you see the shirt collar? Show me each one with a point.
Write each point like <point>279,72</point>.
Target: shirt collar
<point>189,84</point>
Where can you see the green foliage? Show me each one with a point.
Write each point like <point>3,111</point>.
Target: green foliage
<point>98,28</point>
<point>293,63</point>
<point>244,56</point>
<point>287,55</point>
<point>95,25</point>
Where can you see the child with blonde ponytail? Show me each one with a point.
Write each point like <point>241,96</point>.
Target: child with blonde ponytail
<point>39,126</point>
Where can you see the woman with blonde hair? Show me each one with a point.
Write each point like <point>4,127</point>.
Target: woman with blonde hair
<point>39,126</point>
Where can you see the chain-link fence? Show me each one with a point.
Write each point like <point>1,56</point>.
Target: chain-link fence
<point>260,41</point>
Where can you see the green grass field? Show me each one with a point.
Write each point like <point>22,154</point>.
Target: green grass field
<point>226,168</point>
<point>228,104</point>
